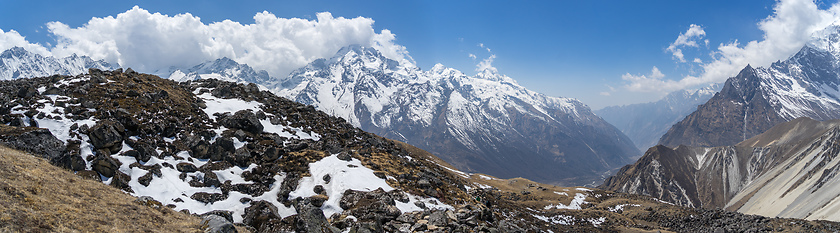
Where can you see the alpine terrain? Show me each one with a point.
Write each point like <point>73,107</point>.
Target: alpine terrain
<point>242,159</point>
<point>484,123</point>
<point>788,171</point>
<point>780,171</point>
<point>645,123</point>
<point>805,85</point>
<point>17,63</point>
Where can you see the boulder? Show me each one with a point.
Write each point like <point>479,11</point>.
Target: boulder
<point>243,119</point>
<point>217,224</point>
<point>104,165</point>
<point>36,141</point>
<point>207,198</point>
<point>260,213</point>
<point>311,218</point>
<point>375,205</point>
<point>186,167</point>
<point>145,151</point>
<point>107,135</point>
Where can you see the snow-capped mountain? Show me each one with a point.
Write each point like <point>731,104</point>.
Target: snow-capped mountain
<point>788,171</point>
<point>805,85</point>
<point>645,123</point>
<point>17,63</point>
<point>222,69</point>
<point>484,123</point>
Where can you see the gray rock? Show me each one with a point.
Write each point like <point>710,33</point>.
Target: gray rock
<point>311,218</point>
<point>217,224</point>
<point>186,167</point>
<point>104,165</point>
<point>243,119</point>
<point>106,135</point>
<point>260,213</point>
<point>36,141</point>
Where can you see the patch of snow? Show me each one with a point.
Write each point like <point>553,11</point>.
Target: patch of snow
<point>350,175</point>
<point>578,200</point>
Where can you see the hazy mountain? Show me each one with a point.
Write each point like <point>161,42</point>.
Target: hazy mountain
<point>645,123</point>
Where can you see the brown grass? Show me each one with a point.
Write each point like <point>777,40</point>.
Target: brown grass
<point>38,197</point>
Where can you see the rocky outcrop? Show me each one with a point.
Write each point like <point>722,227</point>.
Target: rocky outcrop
<point>36,141</point>
<point>739,111</point>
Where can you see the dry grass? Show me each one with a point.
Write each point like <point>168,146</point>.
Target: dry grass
<point>38,197</point>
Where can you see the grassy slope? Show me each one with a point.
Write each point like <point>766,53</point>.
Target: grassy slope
<point>38,197</point>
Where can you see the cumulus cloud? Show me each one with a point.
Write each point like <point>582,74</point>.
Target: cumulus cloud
<point>151,42</point>
<point>786,30</point>
<point>472,56</point>
<point>13,39</point>
<point>486,64</point>
<point>688,39</point>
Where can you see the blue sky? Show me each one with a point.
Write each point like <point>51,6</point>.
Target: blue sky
<point>593,51</point>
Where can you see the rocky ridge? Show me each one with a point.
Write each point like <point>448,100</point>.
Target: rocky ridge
<point>805,85</point>
<point>272,165</point>
<point>784,172</point>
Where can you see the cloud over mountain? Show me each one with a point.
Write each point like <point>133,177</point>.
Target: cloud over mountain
<point>784,33</point>
<point>149,41</point>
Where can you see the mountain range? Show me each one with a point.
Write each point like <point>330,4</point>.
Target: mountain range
<point>645,123</point>
<point>484,123</point>
<point>17,63</point>
<point>755,147</point>
<point>805,85</point>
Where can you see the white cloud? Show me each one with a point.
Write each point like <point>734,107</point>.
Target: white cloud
<point>648,83</point>
<point>13,39</point>
<point>484,47</point>
<point>486,64</point>
<point>785,32</point>
<point>604,93</point>
<point>687,39</point>
<point>152,41</point>
<point>472,56</point>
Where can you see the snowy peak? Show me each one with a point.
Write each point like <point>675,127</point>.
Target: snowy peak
<point>479,123</point>
<point>17,52</point>
<point>223,69</point>
<point>17,63</point>
<point>827,39</point>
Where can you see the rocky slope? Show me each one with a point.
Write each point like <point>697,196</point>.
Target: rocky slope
<point>38,197</point>
<point>645,123</point>
<point>484,123</point>
<point>18,63</point>
<point>805,85</point>
<point>788,171</point>
<point>267,164</point>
